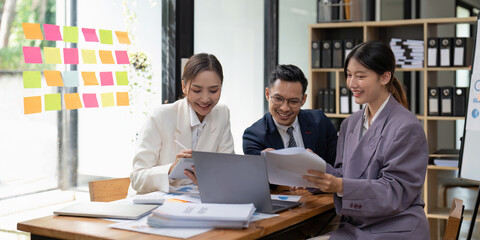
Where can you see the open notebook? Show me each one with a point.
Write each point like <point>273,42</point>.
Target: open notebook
<point>106,210</point>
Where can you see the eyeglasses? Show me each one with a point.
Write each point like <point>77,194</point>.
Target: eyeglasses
<point>292,102</point>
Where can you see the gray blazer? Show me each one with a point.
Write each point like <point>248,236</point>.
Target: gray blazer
<point>383,173</point>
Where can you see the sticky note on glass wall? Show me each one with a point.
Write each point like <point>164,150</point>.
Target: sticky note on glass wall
<point>106,57</point>
<point>106,78</point>
<point>52,55</point>
<point>52,32</point>
<point>32,31</point>
<point>70,55</point>
<point>122,57</point>
<point>122,37</point>
<point>70,34</point>
<point>70,78</point>
<point>89,78</point>
<point>89,57</point>
<point>105,36</point>
<point>122,78</point>
<point>53,102</point>
<point>32,104</point>
<point>122,99</point>
<point>72,101</point>
<point>32,79</point>
<point>32,55</point>
<point>53,78</point>
<point>90,35</point>
<point>107,99</point>
<point>90,100</point>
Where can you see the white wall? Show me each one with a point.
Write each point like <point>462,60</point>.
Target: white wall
<point>232,30</point>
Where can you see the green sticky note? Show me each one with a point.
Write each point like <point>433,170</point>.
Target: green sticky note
<point>105,36</point>
<point>70,34</point>
<point>53,102</point>
<point>122,78</point>
<point>32,79</point>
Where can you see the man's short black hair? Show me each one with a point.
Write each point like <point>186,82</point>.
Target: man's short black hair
<point>289,73</point>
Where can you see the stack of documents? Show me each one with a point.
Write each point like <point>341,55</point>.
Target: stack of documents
<point>198,215</point>
<point>408,53</point>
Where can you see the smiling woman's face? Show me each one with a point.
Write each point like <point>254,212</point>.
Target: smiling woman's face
<point>203,92</point>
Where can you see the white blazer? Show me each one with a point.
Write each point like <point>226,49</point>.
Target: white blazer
<point>156,147</point>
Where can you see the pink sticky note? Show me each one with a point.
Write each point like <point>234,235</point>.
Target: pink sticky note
<point>122,57</point>
<point>70,55</point>
<point>106,78</point>
<point>90,100</point>
<point>90,35</point>
<point>52,32</point>
<point>32,55</point>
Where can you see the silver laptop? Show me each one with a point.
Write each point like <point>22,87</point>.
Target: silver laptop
<point>106,210</point>
<point>230,178</point>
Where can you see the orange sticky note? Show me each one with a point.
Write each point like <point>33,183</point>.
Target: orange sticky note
<point>89,78</point>
<point>32,31</point>
<point>107,99</point>
<point>32,104</point>
<point>106,57</point>
<point>53,78</point>
<point>122,99</point>
<point>122,37</point>
<point>72,101</point>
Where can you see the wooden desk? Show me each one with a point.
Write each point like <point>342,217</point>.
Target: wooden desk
<point>63,227</point>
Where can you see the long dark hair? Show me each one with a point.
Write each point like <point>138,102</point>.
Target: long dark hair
<point>201,62</point>
<point>378,57</point>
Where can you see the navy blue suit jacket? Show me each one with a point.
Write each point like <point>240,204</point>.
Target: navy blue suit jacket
<point>318,134</point>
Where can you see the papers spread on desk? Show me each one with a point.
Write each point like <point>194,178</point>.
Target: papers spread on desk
<point>173,214</point>
<point>289,198</point>
<point>287,166</point>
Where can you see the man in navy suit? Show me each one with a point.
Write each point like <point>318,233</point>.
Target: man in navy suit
<point>286,125</point>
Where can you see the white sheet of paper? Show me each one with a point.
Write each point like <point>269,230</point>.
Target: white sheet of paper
<point>290,198</point>
<point>288,165</point>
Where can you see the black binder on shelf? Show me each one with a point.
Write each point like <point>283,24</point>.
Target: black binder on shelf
<point>446,105</point>
<point>326,54</point>
<point>432,52</point>
<point>326,99</point>
<point>344,100</point>
<point>459,52</point>
<point>348,45</point>
<point>433,101</point>
<point>316,54</point>
<point>335,10</point>
<point>337,54</point>
<point>459,101</point>
<point>320,99</point>
<point>445,52</point>
<point>331,100</point>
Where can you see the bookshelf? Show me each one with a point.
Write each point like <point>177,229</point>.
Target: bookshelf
<point>437,178</point>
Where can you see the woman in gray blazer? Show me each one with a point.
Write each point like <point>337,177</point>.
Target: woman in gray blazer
<point>382,155</point>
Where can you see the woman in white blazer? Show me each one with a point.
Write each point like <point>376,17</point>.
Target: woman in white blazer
<point>196,121</point>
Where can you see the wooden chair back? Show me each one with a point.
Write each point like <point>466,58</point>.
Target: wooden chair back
<point>452,230</point>
<point>108,190</point>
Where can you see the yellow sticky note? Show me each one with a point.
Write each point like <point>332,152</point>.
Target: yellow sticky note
<point>122,99</point>
<point>106,57</point>
<point>89,56</point>
<point>32,31</point>
<point>32,104</point>
<point>122,37</point>
<point>89,78</point>
<point>52,55</point>
<point>53,78</point>
<point>72,101</point>
<point>107,99</point>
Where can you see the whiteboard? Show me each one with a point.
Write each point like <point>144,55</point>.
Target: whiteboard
<point>470,151</point>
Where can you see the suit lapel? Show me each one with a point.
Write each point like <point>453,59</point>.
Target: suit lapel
<point>273,135</point>
<point>183,133</point>
<point>365,148</point>
<point>307,130</point>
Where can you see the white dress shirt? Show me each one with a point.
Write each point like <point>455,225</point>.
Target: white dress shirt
<point>297,134</point>
<point>197,126</point>
<point>366,113</point>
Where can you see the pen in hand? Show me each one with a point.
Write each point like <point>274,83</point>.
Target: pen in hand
<point>180,144</point>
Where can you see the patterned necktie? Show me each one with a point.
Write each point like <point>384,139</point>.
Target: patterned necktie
<point>291,141</point>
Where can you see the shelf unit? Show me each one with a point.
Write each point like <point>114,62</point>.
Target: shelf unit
<point>418,29</point>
